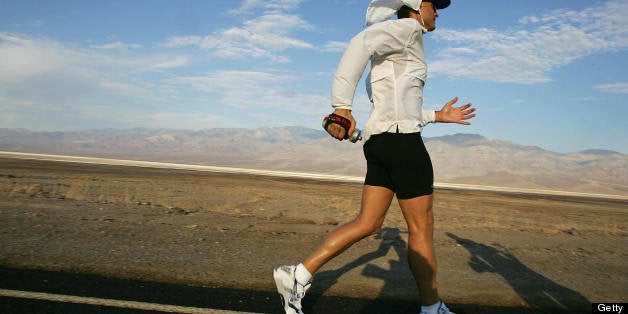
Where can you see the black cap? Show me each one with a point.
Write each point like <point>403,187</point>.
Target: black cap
<point>441,4</point>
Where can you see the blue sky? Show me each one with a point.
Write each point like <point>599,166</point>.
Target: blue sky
<point>546,73</point>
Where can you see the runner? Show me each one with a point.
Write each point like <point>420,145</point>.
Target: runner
<point>397,161</point>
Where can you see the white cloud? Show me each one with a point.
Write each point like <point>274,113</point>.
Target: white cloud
<point>120,88</point>
<point>260,38</point>
<point>273,6</point>
<point>233,80</point>
<point>263,37</point>
<point>617,88</point>
<point>257,91</point>
<point>182,41</point>
<point>117,46</point>
<point>335,46</point>
<point>163,63</point>
<point>22,57</point>
<point>529,55</point>
<point>277,23</point>
<point>47,84</point>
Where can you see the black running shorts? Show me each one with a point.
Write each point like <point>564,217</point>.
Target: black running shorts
<point>399,162</point>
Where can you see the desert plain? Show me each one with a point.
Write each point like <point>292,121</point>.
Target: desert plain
<point>216,238</point>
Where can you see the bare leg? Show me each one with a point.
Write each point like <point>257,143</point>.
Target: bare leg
<point>421,256</point>
<point>375,203</point>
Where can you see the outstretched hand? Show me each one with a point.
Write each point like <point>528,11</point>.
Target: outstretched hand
<point>451,114</point>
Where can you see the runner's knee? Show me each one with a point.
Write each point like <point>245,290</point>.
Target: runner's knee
<point>368,228</point>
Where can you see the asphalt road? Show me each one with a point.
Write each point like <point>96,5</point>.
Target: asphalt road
<point>55,292</point>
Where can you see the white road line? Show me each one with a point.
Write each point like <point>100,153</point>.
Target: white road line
<point>289,174</point>
<point>109,302</point>
<point>163,165</point>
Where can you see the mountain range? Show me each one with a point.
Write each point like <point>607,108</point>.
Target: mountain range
<point>459,158</point>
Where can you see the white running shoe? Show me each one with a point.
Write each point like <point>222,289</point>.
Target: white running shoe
<point>442,309</point>
<point>290,290</point>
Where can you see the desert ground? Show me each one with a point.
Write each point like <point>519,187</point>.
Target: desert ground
<point>216,236</point>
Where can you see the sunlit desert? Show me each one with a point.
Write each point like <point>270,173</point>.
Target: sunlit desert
<point>497,252</point>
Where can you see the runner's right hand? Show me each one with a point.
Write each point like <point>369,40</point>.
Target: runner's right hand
<point>336,130</point>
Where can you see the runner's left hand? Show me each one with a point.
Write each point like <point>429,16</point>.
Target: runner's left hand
<point>451,114</point>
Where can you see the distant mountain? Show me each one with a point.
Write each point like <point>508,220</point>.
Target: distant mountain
<point>460,139</point>
<point>459,158</point>
<point>500,163</point>
<point>598,152</point>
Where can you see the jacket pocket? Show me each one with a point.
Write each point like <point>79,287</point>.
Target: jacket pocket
<point>382,83</point>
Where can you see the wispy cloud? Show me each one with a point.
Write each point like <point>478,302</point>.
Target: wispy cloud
<point>269,6</point>
<point>164,63</point>
<point>253,90</point>
<point>53,80</point>
<point>538,44</point>
<point>260,38</point>
<point>117,46</point>
<point>335,46</point>
<point>617,88</point>
<point>23,57</point>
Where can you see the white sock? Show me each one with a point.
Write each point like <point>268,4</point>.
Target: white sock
<point>431,309</point>
<point>302,275</point>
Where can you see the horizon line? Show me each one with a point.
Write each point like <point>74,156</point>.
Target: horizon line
<point>321,131</point>
<point>293,174</point>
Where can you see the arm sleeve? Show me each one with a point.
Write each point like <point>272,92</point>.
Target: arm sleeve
<point>349,72</point>
<point>427,116</point>
<point>376,41</point>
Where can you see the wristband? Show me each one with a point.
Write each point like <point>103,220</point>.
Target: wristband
<point>345,124</point>
<point>336,119</point>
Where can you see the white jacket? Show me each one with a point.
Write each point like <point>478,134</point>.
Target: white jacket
<point>396,78</point>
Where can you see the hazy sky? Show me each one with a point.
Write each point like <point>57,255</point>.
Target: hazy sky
<point>552,74</point>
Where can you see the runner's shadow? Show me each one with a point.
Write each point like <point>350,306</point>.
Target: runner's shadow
<point>397,278</point>
<point>537,290</point>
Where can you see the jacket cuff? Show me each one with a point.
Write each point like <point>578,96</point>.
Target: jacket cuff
<point>342,106</point>
<point>429,116</point>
